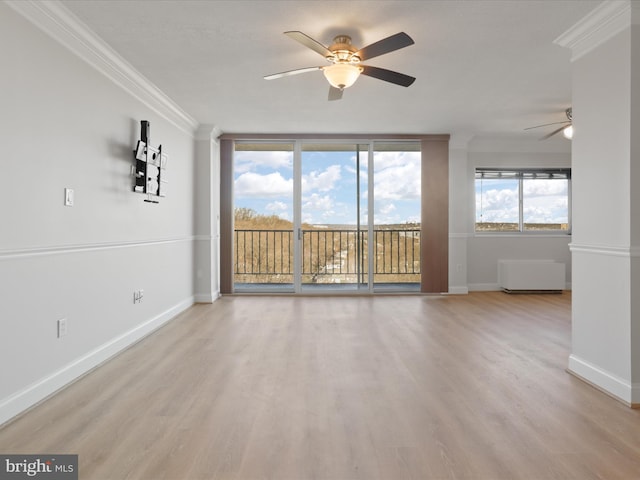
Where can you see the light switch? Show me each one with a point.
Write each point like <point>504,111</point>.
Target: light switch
<point>68,197</point>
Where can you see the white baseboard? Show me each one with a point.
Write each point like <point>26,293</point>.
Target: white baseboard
<point>453,290</point>
<point>484,287</point>
<point>24,399</point>
<point>206,297</point>
<point>605,381</point>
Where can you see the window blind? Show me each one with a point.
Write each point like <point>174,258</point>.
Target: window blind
<point>525,173</point>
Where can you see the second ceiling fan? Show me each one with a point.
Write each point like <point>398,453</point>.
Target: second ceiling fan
<point>566,128</point>
<point>344,59</point>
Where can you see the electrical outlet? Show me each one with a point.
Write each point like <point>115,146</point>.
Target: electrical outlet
<point>62,327</point>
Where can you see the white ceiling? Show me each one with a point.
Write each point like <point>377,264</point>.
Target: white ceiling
<point>486,68</point>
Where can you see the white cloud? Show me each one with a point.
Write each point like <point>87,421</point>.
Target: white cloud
<point>272,185</point>
<point>499,199</point>
<point>318,208</point>
<point>380,218</point>
<point>318,202</point>
<point>397,175</point>
<point>384,160</point>
<point>249,161</point>
<point>537,188</point>
<point>387,209</point>
<point>546,209</point>
<point>350,169</point>
<point>544,202</point>
<point>497,206</point>
<point>536,215</point>
<point>398,182</point>
<point>323,181</point>
<point>561,202</point>
<point>544,215</point>
<point>276,207</point>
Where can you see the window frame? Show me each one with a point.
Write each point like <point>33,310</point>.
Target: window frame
<point>434,233</point>
<point>522,174</point>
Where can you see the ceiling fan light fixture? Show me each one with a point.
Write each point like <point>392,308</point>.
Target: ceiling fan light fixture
<point>342,75</point>
<point>568,132</point>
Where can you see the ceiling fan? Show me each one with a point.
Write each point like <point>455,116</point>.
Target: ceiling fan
<point>344,60</point>
<point>567,130</point>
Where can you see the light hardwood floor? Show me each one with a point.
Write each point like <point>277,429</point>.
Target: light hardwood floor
<point>391,387</point>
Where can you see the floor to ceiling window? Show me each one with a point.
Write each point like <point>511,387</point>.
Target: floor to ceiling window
<point>325,215</point>
<point>263,240</point>
<point>397,214</point>
<point>333,216</point>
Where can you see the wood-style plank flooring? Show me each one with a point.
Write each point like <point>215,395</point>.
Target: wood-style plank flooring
<point>390,387</point>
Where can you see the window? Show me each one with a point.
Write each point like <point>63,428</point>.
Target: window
<point>522,200</point>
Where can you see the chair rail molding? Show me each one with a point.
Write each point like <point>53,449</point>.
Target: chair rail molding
<point>44,250</point>
<point>608,250</point>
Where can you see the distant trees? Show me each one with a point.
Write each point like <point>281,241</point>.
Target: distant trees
<point>248,219</point>
<point>244,213</point>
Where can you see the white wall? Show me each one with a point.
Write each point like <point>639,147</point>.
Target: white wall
<point>474,257</point>
<point>64,124</point>
<point>605,319</point>
<point>635,197</point>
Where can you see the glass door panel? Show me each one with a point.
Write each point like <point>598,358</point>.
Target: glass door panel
<point>397,217</point>
<point>333,238</point>
<point>263,216</point>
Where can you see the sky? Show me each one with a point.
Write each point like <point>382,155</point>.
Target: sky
<point>544,201</point>
<point>263,181</point>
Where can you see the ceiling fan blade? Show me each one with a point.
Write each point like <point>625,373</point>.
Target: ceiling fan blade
<point>334,93</point>
<point>557,130</point>
<point>309,42</point>
<point>547,124</point>
<point>388,75</point>
<point>291,72</point>
<point>386,45</point>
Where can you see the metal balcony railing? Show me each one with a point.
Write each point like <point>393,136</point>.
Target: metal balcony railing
<point>339,254</point>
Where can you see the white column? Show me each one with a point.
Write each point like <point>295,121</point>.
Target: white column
<point>605,195</point>
<point>460,215</point>
<point>207,212</point>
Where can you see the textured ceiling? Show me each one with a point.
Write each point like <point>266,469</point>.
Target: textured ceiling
<point>487,68</point>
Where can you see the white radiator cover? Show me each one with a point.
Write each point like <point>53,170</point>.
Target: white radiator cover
<point>531,275</point>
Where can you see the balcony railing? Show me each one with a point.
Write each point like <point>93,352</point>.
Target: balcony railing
<point>328,255</point>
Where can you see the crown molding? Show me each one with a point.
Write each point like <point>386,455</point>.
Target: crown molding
<point>63,26</point>
<point>207,132</point>
<point>608,19</point>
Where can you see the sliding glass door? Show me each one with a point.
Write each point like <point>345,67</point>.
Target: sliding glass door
<point>263,241</point>
<point>397,219</point>
<point>334,221</point>
<point>326,216</point>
